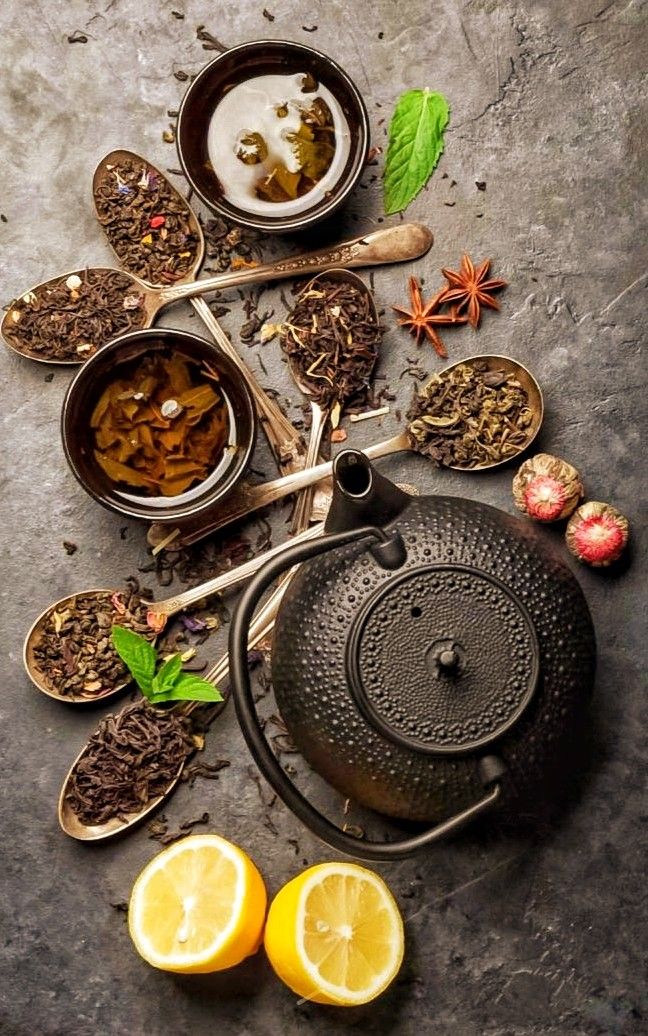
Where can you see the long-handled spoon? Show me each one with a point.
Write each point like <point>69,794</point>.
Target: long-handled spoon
<point>389,245</point>
<point>285,441</point>
<point>320,414</point>
<point>68,819</point>
<point>159,612</point>
<point>245,499</point>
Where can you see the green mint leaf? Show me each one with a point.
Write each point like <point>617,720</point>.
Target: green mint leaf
<point>188,687</point>
<point>167,674</point>
<point>415,146</point>
<point>138,654</point>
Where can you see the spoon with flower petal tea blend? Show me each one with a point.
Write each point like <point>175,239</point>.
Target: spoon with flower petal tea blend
<point>68,653</point>
<point>472,416</point>
<point>156,235</point>
<point>331,339</point>
<point>74,804</point>
<point>66,319</point>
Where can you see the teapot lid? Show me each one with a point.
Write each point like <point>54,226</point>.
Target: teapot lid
<point>443,659</point>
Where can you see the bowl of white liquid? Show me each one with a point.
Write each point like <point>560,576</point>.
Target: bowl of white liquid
<point>273,135</point>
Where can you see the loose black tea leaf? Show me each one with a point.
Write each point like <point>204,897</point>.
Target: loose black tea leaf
<point>269,17</point>
<point>70,318</point>
<point>208,41</point>
<point>332,338</point>
<point>77,37</point>
<point>131,759</point>
<point>74,654</point>
<point>470,416</point>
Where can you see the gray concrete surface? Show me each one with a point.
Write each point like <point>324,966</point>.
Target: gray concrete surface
<point>538,930</point>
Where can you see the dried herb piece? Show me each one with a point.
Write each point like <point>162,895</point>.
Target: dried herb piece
<point>161,426</point>
<point>131,759</point>
<point>75,655</point>
<point>70,318</point>
<point>208,41</point>
<point>332,338</point>
<point>415,146</point>
<point>469,289</point>
<point>469,416</point>
<point>423,317</point>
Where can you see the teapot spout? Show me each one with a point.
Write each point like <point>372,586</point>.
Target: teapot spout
<point>361,495</point>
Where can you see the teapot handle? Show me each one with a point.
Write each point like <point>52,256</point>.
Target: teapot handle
<point>490,768</point>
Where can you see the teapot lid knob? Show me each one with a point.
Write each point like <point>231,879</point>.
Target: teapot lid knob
<point>449,658</point>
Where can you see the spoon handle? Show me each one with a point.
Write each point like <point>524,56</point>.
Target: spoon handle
<point>396,244</point>
<point>284,439</point>
<point>245,499</point>
<point>304,505</point>
<point>260,628</point>
<point>172,605</point>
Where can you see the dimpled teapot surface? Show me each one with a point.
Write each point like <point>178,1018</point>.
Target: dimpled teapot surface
<point>411,679</point>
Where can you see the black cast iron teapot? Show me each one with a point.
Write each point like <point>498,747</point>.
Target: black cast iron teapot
<point>429,659</point>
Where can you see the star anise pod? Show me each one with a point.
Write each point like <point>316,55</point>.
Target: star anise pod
<point>470,288</point>
<point>424,316</point>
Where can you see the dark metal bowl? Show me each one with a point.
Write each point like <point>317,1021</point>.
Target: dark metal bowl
<point>265,57</point>
<point>90,382</point>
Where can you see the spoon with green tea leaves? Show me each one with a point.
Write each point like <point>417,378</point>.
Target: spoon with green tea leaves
<point>474,415</point>
<point>68,652</point>
<point>331,339</point>
<point>94,805</point>
<point>66,319</point>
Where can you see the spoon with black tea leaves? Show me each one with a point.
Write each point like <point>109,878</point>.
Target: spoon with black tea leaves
<point>285,441</point>
<point>157,615</point>
<point>131,303</point>
<point>245,499</point>
<point>308,380</point>
<point>68,819</point>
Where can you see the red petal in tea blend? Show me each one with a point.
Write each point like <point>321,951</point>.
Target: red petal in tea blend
<point>162,427</point>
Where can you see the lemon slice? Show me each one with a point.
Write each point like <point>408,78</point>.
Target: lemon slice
<point>334,934</point>
<point>198,906</point>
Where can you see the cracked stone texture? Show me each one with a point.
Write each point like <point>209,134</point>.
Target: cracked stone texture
<point>538,929</point>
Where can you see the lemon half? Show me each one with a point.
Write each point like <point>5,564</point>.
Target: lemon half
<point>198,906</point>
<point>334,934</point>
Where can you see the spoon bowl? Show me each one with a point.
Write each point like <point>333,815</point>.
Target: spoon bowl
<point>320,414</point>
<point>33,669</point>
<point>105,169</point>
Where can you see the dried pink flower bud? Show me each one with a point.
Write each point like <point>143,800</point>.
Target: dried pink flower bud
<point>597,533</point>
<point>547,488</point>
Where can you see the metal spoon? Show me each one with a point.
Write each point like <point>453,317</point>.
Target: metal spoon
<point>245,499</point>
<point>390,245</point>
<point>68,819</point>
<point>285,441</point>
<point>162,610</point>
<point>320,415</point>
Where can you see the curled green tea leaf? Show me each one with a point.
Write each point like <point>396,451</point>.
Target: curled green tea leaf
<point>415,146</point>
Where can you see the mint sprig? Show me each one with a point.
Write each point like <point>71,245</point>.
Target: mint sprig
<point>415,146</point>
<point>164,683</point>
